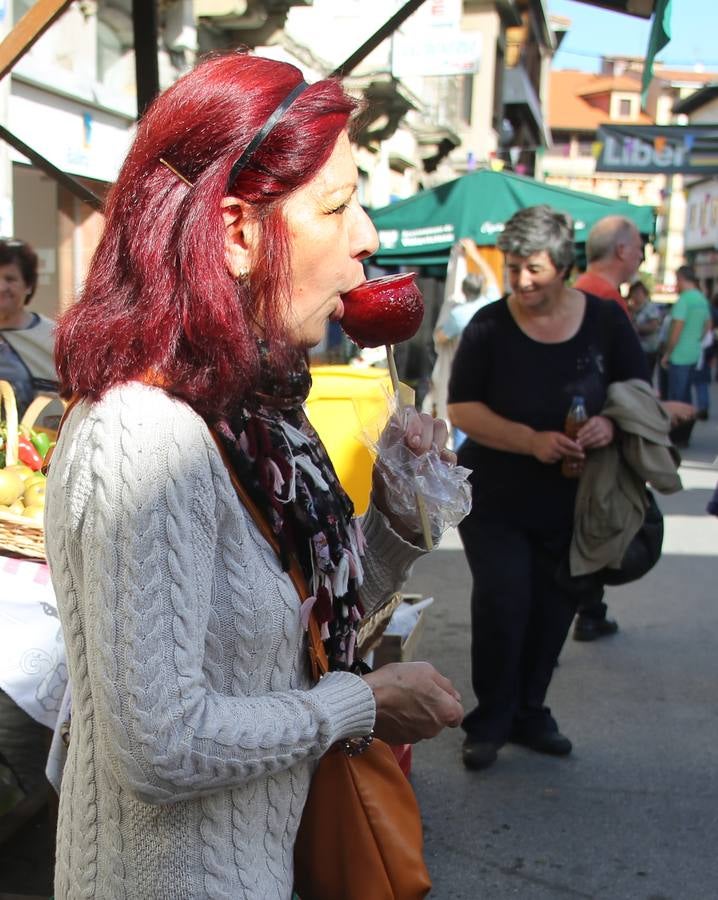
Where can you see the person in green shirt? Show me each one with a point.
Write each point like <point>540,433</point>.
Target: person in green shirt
<point>690,320</point>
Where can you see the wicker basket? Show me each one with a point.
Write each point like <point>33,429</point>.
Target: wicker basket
<point>373,627</point>
<point>18,534</point>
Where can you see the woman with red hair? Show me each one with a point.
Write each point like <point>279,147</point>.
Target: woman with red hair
<point>232,231</point>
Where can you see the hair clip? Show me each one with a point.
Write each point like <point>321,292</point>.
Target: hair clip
<point>175,172</point>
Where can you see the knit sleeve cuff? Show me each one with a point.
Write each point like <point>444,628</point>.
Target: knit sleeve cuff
<point>347,704</point>
<point>399,553</point>
<point>387,561</point>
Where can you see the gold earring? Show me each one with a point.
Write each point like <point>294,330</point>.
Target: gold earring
<point>243,274</point>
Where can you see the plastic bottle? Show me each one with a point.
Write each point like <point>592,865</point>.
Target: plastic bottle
<point>577,416</point>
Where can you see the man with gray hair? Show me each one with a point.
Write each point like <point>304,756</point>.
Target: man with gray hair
<point>614,251</point>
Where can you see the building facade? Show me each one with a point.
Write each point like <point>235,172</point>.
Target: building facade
<point>701,234</point>
<point>457,86</point>
<point>578,104</point>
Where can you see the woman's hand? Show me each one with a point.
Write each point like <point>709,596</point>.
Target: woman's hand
<point>552,446</point>
<point>597,432</point>
<point>679,411</point>
<point>421,433</point>
<point>413,701</point>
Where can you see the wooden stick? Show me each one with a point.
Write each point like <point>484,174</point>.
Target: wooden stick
<point>393,374</point>
<point>420,502</point>
<point>425,523</point>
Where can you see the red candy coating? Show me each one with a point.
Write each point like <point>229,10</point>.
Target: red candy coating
<point>384,310</point>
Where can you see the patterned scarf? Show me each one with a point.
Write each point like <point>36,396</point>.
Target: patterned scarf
<point>282,463</point>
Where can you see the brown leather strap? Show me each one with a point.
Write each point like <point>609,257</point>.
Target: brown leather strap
<point>74,400</point>
<point>317,653</point>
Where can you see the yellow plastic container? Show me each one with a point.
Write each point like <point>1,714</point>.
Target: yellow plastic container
<point>344,403</point>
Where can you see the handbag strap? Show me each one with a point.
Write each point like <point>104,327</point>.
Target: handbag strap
<point>71,404</point>
<point>317,654</point>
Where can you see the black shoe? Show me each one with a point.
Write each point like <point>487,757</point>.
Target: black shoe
<point>478,754</point>
<point>702,414</point>
<point>587,629</point>
<point>552,742</point>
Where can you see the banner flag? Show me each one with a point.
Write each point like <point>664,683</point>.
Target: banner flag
<point>660,35</point>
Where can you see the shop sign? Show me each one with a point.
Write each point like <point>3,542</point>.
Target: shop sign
<point>702,215</point>
<point>76,138</point>
<point>658,149</point>
<point>431,43</point>
<point>441,54</point>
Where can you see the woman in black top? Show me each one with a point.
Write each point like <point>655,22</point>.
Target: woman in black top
<point>520,362</point>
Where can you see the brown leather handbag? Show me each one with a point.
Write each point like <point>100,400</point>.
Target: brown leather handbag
<point>360,837</point>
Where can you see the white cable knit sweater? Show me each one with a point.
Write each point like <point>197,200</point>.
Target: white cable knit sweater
<point>195,725</point>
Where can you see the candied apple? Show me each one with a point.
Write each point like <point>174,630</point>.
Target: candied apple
<point>384,310</point>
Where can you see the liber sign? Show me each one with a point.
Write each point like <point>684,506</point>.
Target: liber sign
<point>665,149</point>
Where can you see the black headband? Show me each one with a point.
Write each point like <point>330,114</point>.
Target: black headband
<point>264,130</point>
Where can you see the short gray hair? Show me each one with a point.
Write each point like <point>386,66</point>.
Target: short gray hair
<point>538,228</point>
<point>472,285</point>
<point>605,236</point>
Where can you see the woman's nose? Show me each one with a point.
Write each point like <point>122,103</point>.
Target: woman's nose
<point>524,278</point>
<point>365,240</point>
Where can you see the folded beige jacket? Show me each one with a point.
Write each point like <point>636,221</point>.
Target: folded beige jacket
<point>611,499</point>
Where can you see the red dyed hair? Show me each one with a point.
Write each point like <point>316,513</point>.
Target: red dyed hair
<point>159,296</point>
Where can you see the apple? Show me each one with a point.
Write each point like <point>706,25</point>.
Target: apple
<point>36,513</point>
<point>383,310</point>
<point>11,487</point>
<point>34,495</point>
<point>21,470</point>
<point>35,478</point>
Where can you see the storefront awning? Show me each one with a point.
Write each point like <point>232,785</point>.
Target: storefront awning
<point>421,230</point>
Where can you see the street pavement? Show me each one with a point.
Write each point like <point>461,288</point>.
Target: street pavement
<point>632,814</point>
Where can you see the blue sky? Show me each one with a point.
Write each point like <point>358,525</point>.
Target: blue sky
<point>597,31</point>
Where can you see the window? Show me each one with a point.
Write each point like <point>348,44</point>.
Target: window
<point>624,108</point>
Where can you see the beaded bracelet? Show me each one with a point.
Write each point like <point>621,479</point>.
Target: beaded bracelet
<point>356,745</point>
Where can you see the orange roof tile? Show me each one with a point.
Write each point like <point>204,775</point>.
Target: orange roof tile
<point>569,107</point>
<point>684,75</point>
<point>604,83</point>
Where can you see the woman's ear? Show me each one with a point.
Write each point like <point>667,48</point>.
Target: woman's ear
<point>241,232</point>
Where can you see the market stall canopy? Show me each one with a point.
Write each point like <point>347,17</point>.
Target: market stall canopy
<point>422,229</point>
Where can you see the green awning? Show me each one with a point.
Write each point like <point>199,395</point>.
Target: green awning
<point>421,230</point>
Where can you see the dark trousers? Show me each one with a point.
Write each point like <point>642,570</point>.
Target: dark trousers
<point>651,361</point>
<point>519,622</point>
<point>680,379</point>
<point>591,606</point>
